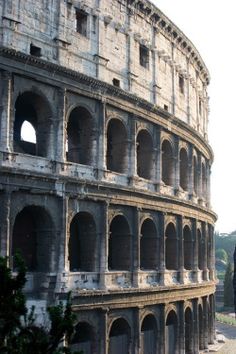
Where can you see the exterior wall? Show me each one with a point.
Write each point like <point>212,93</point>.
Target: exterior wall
<point>109,163</point>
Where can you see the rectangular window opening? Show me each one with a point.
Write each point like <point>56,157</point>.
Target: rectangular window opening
<point>116,82</point>
<point>144,56</point>
<point>36,51</point>
<point>81,22</point>
<point>166,107</point>
<point>181,84</point>
<point>200,107</point>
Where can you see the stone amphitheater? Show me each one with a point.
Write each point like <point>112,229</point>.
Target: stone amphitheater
<point>105,171</point>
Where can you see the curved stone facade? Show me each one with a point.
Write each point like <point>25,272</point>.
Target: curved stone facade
<point>109,195</point>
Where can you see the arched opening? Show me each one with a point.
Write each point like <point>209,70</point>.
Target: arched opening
<point>148,245</point>
<point>189,335</point>
<point>149,335</point>
<point>184,169</point>
<point>119,244</point>
<point>171,333</point>
<point>167,163</point>
<point>200,250</point>
<point>116,146</point>
<point>188,248</point>
<point>82,243</point>
<point>201,328</point>
<point>83,339</point>
<point>119,337</point>
<point>195,175</point>
<point>32,237</point>
<point>32,124</point>
<point>171,247</point>
<point>80,136</point>
<point>144,154</point>
<point>204,181</point>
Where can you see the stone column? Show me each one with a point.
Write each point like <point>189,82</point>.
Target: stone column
<point>136,340</point>
<point>181,329</point>
<point>61,137</point>
<point>180,251</point>
<point>132,149</point>
<point>195,249</point>
<point>136,247</point>
<point>6,111</point>
<point>5,237</point>
<point>104,244</point>
<point>101,141</point>
<point>205,322</point>
<point>177,166</point>
<point>104,335</point>
<point>162,330</point>
<point>195,326</point>
<point>162,250</point>
<point>158,168</point>
<point>188,95</point>
<point>191,173</point>
<point>173,80</point>
<point>205,240</point>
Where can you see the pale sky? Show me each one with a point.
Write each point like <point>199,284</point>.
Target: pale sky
<point>211,26</point>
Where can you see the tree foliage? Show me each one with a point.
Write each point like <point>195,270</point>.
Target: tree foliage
<point>222,255</point>
<point>228,286</point>
<point>19,334</point>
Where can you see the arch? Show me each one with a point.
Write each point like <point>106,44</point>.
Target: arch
<point>171,333</point>
<point>144,154</point>
<point>119,337</point>
<point>189,331</point>
<point>201,327</point>
<point>83,340</point>
<point>195,175</point>
<point>117,149</point>
<point>148,245</point>
<point>82,243</point>
<point>171,254</point>
<point>167,163</point>
<point>35,110</point>
<point>183,169</point>
<point>80,136</point>
<point>149,335</point>
<point>188,248</point>
<point>200,250</point>
<point>32,236</point>
<point>119,244</point>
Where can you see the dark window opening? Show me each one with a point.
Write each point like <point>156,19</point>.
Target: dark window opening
<point>166,108</point>
<point>116,82</point>
<point>200,107</point>
<point>148,246</point>
<point>171,247</point>
<point>167,163</point>
<point>171,332</point>
<point>116,156</point>
<point>81,22</point>
<point>184,168</point>
<point>149,335</point>
<point>119,337</point>
<point>32,234</point>
<point>188,248</point>
<point>144,154</point>
<point>83,339</point>
<point>189,335</point>
<point>181,84</point>
<point>36,51</point>
<point>82,243</point>
<point>144,56</point>
<point>119,244</point>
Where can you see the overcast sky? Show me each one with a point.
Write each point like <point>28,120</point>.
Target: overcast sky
<point>211,26</point>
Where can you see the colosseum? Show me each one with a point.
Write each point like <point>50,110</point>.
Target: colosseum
<point>105,171</point>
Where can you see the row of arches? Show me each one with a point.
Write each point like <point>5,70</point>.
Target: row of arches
<point>33,234</point>
<point>32,135</point>
<point>189,334</point>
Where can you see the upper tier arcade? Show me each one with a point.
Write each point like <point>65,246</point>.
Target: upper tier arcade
<point>130,44</point>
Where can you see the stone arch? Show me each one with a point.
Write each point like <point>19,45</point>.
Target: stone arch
<point>120,240</point>
<point>201,252</point>
<point>83,339</point>
<point>117,147</point>
<point>167,163</point>
<point>119,337</point>
<point>188,248</point>
<point>82,243</point>
<point>80,136</point>
<point>183,169</point>
<point>33,236</point>
<point>148,245</point>
<point>33,108</point>
<point>171,332</point>
<point>149,335</point>
<point>144,154</point>
<point>189,331</point>
<point>171,249</point>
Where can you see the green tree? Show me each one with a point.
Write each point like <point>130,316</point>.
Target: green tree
<point>222,255</point>
<point>228,286</point>
<point>19,334</point>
